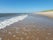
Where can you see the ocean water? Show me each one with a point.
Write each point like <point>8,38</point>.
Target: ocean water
<point>7,19</point>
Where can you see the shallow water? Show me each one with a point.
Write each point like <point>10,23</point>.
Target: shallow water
<point>31,28</point>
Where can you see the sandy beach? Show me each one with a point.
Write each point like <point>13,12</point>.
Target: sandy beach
<point>34,27</point>
<point>49,14</point>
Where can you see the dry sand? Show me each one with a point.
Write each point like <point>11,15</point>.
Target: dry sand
<point>49,14</point>
<point>29,29</point>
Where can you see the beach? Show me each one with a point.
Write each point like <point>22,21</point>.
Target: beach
<point>33,27</point>
<point>48,14</point>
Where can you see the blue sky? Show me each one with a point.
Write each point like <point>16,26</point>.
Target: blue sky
<point>24,6</point>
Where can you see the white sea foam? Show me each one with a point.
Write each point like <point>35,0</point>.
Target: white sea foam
<point>11,21</point>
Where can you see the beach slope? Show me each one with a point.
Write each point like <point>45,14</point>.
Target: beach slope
<point>34,27</point>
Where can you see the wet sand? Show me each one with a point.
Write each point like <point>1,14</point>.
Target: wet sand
<point>31,28</point>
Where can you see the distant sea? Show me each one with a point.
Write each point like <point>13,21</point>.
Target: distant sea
<point>7,19</point>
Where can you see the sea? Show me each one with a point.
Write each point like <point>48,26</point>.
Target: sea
<point>7,19</point>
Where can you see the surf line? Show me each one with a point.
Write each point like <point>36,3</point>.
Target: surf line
<point>11,21</point>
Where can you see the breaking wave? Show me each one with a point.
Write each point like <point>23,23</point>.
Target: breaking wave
<point>10,21</point>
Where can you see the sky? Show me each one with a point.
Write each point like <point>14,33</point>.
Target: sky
<point>25,6</point>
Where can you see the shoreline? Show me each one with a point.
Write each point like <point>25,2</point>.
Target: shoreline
<point>31,28</point>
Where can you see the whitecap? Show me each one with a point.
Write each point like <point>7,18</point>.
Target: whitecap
<point>11,21</point>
